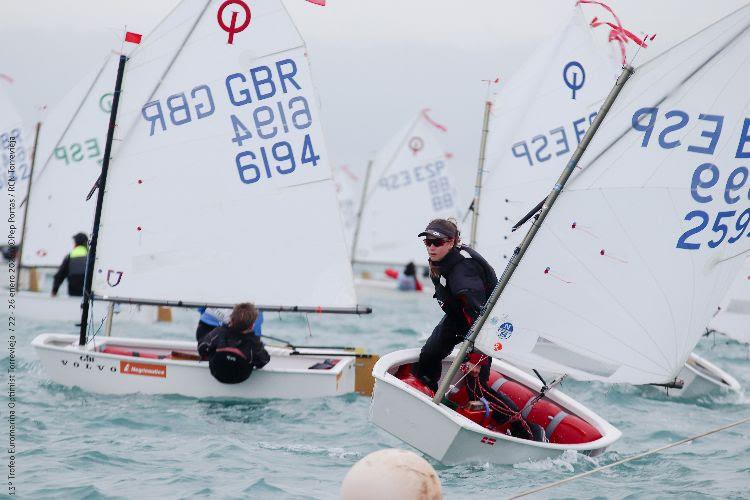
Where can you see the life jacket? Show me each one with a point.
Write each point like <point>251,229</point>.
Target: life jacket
<point>77,262</point>
<point>229,365</point>
<point>453,272</point>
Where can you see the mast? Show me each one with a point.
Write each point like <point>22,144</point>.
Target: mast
<point>519,252</point>
<point>99,202</point>
<point>480,172</point>
<point>361,209</point>
<point>28,198</point>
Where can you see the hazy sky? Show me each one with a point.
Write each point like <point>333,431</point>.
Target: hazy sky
<point>376,63</point>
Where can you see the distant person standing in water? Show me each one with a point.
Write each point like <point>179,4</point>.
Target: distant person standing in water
<point>73,267</point>
<point>463,282</point>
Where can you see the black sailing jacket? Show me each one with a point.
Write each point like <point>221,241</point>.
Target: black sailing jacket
<point>464,284</point>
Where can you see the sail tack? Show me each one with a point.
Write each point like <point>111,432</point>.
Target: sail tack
<point>221,190</point>
<point>410,184</point>
<point>642,245</point>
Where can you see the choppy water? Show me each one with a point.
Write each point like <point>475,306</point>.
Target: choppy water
<point>74,444</point>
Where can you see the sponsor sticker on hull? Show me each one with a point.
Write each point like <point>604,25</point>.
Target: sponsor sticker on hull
<point>143,369</point>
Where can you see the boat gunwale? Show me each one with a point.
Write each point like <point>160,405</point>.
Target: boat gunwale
<point>40,342</point>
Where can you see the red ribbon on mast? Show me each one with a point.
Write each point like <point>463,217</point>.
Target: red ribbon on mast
<point>617,33</point>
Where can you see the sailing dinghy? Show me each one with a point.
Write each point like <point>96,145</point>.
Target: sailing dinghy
<point>408,183</point>
<point>634,323</point>
<point>536,124</point>
<point>218,192</point>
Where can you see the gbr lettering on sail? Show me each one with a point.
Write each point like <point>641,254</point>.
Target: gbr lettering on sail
<point>269,125</point>
<point>720,194</point>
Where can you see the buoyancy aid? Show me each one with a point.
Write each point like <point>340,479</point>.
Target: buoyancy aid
<point>77,262</point>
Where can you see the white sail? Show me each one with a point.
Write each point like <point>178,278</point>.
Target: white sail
<point>70,152</point>
<point>16,144</point>
<point>221,191</point>
<point>410,184</point>
<point>733,317</point>
<point>537,120</point>
<point>349,191</point>
<point>641,246</point>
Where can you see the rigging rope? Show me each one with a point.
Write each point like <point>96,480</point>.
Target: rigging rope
<point>629,459</point>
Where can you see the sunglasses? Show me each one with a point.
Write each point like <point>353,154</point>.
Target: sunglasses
<point>436,243</point>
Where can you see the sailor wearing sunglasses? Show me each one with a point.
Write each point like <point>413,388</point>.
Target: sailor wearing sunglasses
<point>463,281</point>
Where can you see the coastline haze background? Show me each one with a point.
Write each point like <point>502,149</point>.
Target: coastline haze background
<point>375,63</point>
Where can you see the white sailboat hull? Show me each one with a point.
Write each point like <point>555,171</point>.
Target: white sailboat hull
<point>42,306</point>
<point>701,378</point>
<point>285,376</point>
<point>451,438</point>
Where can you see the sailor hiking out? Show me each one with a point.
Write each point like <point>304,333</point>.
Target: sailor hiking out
<point>234,350</point>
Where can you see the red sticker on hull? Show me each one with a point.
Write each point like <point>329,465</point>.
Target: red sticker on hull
<point>143,369</point>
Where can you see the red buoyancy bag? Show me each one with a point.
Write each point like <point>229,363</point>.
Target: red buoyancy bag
<point>391,273</point>
<point>560,426</point>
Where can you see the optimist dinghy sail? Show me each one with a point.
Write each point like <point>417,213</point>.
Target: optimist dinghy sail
<point>733,317</point>
<point>538,119</point>
<point>409,183</point>
<point>16,145</point>
<point>645,240</point>
<point>561,88</point>
<point>219,192</point>
<point>70,152</point>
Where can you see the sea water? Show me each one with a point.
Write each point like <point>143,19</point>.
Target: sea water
<point>74,444</point>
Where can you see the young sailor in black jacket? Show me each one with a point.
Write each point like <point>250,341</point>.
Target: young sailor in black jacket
<point>233,350</point>
<point>463,281</point>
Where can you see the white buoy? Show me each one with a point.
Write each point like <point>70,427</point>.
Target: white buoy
<point>394,474</point>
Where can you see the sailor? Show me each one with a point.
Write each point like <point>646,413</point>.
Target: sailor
<point>234,349</point>
<point>73,267</point>
<point>407,280</point>
<point>463,281</point>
